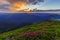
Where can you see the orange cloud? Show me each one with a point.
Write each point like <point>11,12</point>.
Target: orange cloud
<point>17,5</point>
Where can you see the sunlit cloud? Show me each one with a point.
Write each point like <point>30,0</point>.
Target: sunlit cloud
<point>11,5</point>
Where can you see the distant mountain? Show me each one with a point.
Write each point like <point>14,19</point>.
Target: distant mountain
<point>58,10</point>
<point>43,10</point>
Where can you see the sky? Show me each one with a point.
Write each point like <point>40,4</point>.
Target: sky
<point>46,5</point>
<point>50,4</point>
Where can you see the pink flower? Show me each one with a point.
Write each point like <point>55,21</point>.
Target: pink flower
<point>30,33</point>
<point>40,31</point>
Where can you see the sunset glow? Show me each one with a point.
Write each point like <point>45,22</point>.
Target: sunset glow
<point>27,5</point>
<point>17,6</point>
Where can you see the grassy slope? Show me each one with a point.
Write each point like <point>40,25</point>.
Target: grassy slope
<point>50,26</point>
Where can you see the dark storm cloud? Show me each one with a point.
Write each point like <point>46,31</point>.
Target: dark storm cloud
<point>33,2</point>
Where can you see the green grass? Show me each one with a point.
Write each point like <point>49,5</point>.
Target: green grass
<point>50,26</point>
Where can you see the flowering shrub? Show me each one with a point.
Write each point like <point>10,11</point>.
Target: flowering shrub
<point>28,34</point>
<point>37,35</point>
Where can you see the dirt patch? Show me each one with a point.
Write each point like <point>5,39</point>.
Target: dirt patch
<point>46,23</point>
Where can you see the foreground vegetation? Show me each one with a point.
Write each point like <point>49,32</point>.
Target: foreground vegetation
<point>45,30</point>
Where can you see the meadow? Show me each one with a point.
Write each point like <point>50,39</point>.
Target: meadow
<point>44,30</point>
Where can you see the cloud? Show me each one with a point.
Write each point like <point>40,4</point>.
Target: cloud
<point>33,2</point>
<point>5,4</point>
<point>29,3</point>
